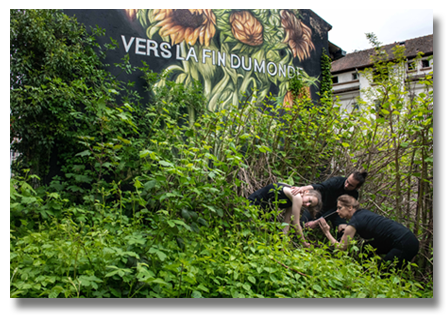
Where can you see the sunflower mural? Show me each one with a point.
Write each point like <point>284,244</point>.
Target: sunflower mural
<point>232,52</point>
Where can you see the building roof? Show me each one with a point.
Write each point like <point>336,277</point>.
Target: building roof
<point>362,59</point>
<point>335,52</point>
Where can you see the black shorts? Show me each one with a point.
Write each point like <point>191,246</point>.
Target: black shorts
<point>267,196</point>
<point>404,249</point>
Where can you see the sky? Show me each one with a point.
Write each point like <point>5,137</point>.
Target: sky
<point>389,25</point>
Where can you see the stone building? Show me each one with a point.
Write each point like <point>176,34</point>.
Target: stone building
<point>350,83</point>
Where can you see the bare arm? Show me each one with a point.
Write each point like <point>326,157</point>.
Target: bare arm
<point>287,219</point>
<point>294,212</point>
<point>349,233</point>
<point>299,190</point>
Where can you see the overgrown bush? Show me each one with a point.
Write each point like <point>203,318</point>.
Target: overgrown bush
<point>100,252</point>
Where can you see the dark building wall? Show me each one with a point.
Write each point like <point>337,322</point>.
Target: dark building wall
<point>229,51</point>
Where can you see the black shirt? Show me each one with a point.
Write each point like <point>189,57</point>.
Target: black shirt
<point>331,189</point>
<point>370,225</point>
<point>268,195</point>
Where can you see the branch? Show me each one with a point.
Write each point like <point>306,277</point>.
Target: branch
<point>292,269</point>
<point>379,208</point>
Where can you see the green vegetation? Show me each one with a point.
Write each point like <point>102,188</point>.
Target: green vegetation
<point>150,201</point>
<point>326,89</point>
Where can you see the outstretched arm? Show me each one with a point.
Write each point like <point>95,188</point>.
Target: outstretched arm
<point>294,213</point>
<point>349,233</point>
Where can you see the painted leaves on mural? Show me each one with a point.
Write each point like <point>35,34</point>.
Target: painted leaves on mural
<point>232,52</point>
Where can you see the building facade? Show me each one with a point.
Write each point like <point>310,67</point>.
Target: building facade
<point>350,81</point>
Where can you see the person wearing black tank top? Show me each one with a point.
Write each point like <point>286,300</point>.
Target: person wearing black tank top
<point>390,238</point>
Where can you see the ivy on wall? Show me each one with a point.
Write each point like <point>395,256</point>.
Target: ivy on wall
<point>326,84</point>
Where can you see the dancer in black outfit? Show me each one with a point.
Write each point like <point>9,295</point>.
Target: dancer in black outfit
<point>281,193</point>
<point>331,190</point>
<point>389,237</point>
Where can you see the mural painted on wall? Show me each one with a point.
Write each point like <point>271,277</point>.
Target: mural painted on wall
<point>230,52</point>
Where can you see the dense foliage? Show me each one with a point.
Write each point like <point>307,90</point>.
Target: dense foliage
<point>150,202</point>
<point>57,85</point>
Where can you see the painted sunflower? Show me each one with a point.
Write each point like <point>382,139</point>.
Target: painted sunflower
<point>186,24</point>
<point>246,28</point>
<point>298,35</point>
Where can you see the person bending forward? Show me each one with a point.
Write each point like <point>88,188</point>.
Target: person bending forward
<point>389,237</point>
<point>265,197</point>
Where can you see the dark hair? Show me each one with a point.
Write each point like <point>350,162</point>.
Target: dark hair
<point>360,177</point>
<point>314,209</point>
<point>347,200</point>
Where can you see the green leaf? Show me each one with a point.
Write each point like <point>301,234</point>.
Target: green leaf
<point>138,184</point>
<point>111,273</point>
<point>203,288</point>
<point>196,295</point>
<point>202,221</point>
<point>317,288</point>
<point>160,281</point>
<point>84,153</point>
<point>185,214</point>
<point>166,164</point>
<point>162,256</point>
<point>149,185</point>
<point>115,292</point>
<point>194,227</point>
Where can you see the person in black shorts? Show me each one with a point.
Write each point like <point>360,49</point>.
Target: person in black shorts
<point>389,237</point>
<point>331,189</point>
<point>280,194</point>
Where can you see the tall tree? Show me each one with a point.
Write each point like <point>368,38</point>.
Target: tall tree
<point>55,74</point>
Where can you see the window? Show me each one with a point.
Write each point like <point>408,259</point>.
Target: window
<point>425,63</point>
<point>355,75</point>
<point>335,80</point>
<point>411,66</point>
